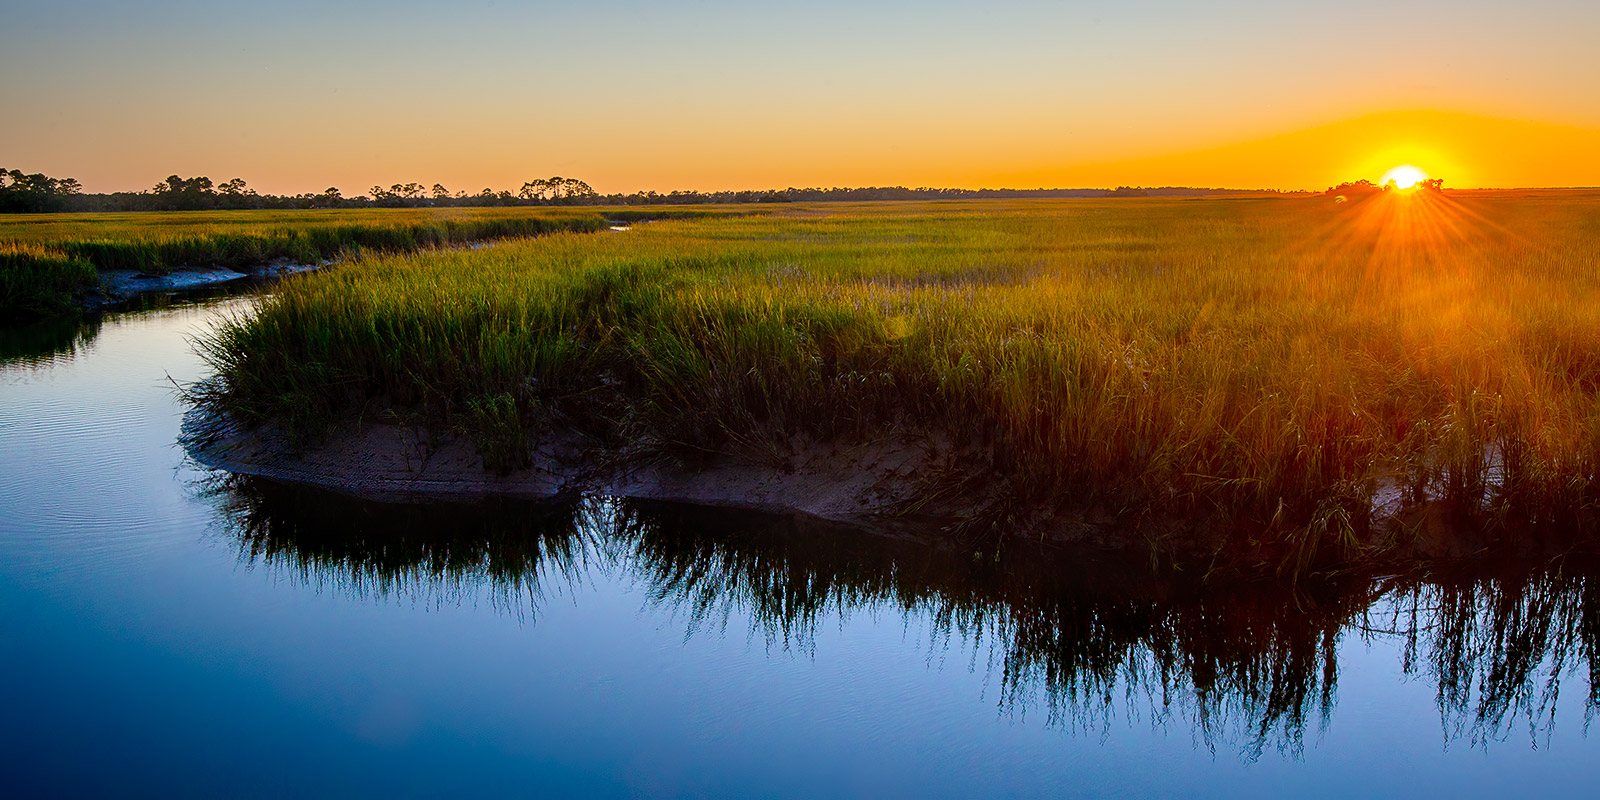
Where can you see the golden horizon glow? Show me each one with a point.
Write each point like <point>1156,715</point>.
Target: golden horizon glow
<point>1042,96</point>
<point>1405,176</point>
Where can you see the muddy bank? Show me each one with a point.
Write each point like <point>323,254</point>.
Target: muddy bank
<point>895,483</point>
<point>119,286</point>
<point>902,484</point>
<point>393,462</point>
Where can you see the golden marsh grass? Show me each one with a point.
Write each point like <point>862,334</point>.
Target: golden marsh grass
<point>1307,372</point>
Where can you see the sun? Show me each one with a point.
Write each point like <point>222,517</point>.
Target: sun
<point>1404,176</point>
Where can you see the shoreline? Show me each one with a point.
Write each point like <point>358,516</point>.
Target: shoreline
<point>891,486</point>
<point>120,287</point>
<point>396,463</point>
<point>888,484</point>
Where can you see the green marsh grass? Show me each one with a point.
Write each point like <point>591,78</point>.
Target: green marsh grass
<point>36,281</point>
<point>1289,369</point>
<point>43,267</point>
<point>160,241</point>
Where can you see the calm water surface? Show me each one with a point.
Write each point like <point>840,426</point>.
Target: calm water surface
<point>166,628</point>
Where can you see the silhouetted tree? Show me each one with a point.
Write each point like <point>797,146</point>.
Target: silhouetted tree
<point>533,190</point>
<point>1361,187</point>
<point>186,194</point>
<point>34,192</point>
<point>330,198</point>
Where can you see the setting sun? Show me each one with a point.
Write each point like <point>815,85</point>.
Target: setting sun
<point>1404,176</point>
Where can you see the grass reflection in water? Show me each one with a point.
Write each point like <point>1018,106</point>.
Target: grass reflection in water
<point>442,553</point>
<point>1246,665</point>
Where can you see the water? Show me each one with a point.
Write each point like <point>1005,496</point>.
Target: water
<point>166,628</point>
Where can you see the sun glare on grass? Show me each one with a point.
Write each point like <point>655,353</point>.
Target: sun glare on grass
<point>1404,176</point>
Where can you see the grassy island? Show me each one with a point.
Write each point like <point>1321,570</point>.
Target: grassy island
<point>1310,381</point>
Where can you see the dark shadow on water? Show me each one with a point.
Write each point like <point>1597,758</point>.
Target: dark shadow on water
<point>437,553</point>
<point>63,336</point>
<point>1088,642</point>
<point>1498,646</point>
<point>46,339</point>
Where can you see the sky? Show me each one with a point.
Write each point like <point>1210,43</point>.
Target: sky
<point>298,96</point>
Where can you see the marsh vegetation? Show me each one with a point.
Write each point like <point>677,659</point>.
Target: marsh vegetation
<point>48,263</point>
<point>1265,383</point>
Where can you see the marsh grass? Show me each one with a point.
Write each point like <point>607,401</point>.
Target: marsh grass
<point>48,261</point>
<point>35,281</point>
<point>1277,367</point>
<point>501,437</point>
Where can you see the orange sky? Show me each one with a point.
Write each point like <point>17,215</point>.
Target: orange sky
<point>1467,149</point>
<point>295,96</point>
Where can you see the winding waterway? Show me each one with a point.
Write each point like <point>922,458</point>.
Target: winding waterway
<point>167,628</point>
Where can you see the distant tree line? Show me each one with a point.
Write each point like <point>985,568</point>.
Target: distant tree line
<point>38,193</point>
<point>35,192</point>
<point>1366,187</point>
